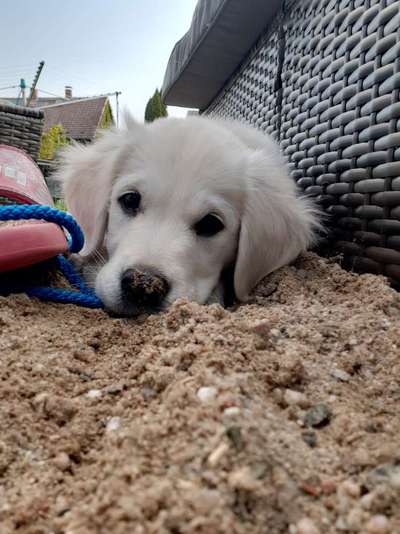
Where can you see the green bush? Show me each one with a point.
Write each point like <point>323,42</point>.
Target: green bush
<point>52,140</point>
<point>60,204</point>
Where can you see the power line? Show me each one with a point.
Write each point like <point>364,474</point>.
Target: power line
<point>61,75</point>
<point>9,87</point>
<point>16,65</point>
<point>51,94</point>
<point>15,69</point>
<point>13,76</point>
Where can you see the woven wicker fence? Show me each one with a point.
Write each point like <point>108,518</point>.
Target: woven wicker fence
<point>325,82</point>
<point>21,127</point>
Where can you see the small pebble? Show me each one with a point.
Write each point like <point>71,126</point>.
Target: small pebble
<point>262,328</point>
<point>352,489</point>
<point>318,415</point>
<point>148,393</point>
<point>355,519</point>
<point>367,500</point>
<point>311,487</point>
<point>61,505</point>
<point>341,524</point>
<point>59,409</point>
<point>234,433</point>
<point>328,487</point>
<point>353,341</point>
<point>207,394</point>
<point>38,368</point>
<point>114,389</point>
<point>302,273</point>
<point>242,479</point>
<point>217,454</point>
<point>232,411</point>
<point>395,479</point>
<point>203,501</point>
<point>307,526</point>
<point>113,424</point>
<point>295,398</point>
<point>341,375</point>
<point>94,393</point>
<point>309,437</point>
<point>387,473</point>
<point>378,524</point>
<point>62,461</point>
<point>278,395</point>
<point>361,457</point>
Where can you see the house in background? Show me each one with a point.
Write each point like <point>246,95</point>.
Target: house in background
<point>80,118</point>
<point>66,119</point>
<point>76,119</point>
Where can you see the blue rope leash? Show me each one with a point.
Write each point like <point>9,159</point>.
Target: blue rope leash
<point>83,296</point>
<point>17,212</point>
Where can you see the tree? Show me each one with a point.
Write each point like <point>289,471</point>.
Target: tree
<point>155,108</point>
<point>51,141</point>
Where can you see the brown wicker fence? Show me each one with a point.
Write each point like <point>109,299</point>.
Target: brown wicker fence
<point>21,127</point>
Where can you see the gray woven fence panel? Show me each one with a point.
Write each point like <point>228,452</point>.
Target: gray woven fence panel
<point>21,127</point>
<point>325,83</point>
<point>252,97</point>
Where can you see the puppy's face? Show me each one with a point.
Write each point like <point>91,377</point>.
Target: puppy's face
<point>173,218</point>
<point>175,203</point>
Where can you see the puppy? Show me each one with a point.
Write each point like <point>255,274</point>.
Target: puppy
<point>170,207</point>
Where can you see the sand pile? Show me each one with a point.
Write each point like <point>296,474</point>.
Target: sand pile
<point>280,416</point>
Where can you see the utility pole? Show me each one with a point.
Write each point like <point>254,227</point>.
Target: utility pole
<point>117,93</point>
<point>35,81</point>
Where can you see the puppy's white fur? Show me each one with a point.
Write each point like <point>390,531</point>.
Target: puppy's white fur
<point>185,169</point>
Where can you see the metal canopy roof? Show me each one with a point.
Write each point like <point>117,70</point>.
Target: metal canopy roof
<point>221,34</point>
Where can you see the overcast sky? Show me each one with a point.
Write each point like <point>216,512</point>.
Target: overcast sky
<point>97,46</point>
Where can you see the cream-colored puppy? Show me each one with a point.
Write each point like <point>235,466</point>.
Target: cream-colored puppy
<point>174,206</point>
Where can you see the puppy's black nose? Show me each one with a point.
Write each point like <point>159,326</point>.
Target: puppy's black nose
<point>143,288</point>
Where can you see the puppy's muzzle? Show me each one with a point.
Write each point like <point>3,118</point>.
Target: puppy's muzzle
<point>143,288</point>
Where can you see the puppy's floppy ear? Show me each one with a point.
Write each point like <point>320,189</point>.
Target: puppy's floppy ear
<point>276,224</point>
<point>87,173</point>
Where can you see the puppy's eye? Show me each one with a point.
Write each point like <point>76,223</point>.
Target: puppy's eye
<point>208,226</point>
<point>130,202</point>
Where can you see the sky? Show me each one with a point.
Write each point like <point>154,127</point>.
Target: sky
<point>96,46</point>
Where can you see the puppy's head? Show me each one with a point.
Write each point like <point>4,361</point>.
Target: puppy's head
<point>174,204</point>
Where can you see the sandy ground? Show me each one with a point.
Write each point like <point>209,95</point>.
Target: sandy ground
<point>280,416</point>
